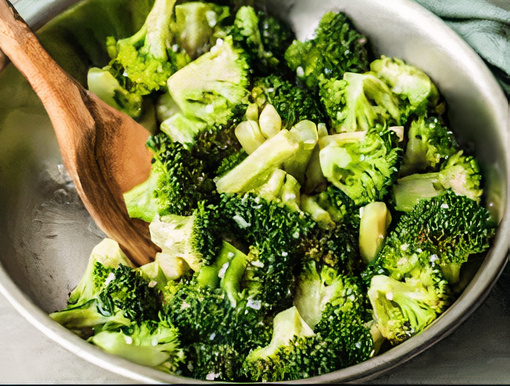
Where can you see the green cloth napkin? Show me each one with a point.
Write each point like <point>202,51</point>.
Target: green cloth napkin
<point>484,26</point>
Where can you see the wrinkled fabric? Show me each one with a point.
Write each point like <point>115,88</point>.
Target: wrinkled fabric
<point>484,26</point>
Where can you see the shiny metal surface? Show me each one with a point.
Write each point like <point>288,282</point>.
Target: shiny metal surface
<point>46,235</point>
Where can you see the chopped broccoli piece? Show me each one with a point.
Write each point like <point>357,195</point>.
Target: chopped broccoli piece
<point>149,344</point>
<point>448,227</point>
<point>111,293</point>
<point>210,87</point>
<point>403,309</point>
<point>273,234</point>
<point>198,25</point>
<point>357,102</point>
<point>265,39</point>
<point>429,144</point>
<point>192,238</point>
<point>362,164</point>
<point>459,172</point>
<point>410,83</point>
<point>336,48</point>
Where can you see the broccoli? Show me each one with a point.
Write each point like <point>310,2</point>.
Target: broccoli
<point>208,89</point>
<point>357,102</point>
<point>154,344</point>
<point>429,143</point>
<point>340,337</point>
<point>404,308</point>
<point>273,234</point>
<point>111,293</point>
<point>140,64</point>
<point>264,38</point>
<point>411,84</point>
<point>198,25</point>
<point>459,172</point>
<point>362,164</point>
<point>176,184</point>
<point>218,322</point>
<point>448,228</point>
<point>193,238</point>
<point>336,48</point>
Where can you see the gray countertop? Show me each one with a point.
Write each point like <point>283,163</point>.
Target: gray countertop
<point>477,352</point>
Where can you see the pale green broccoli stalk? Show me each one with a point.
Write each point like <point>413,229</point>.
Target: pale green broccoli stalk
<point>102,83</point>
<point>255,169</point>
<point>410,83</point>
<point>429,143</point>
<point>459,172</point>
<point>357,102</point>
<point>363,164</point>
<point>154,344</point>
<point>336,48</point>
<point>209,88</point>
<point>375,218</point>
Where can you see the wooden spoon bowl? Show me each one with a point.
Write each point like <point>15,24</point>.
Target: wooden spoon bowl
<point>103,149</point>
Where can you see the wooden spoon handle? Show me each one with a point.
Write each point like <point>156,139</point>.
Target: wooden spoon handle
<point>102,149</point>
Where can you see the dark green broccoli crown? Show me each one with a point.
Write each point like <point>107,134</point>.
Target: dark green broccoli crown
<point>207,240</point>
<point>336,48</point>
<point>275,232</point>
<point>337,247</point>
<point>264,38</point>
<point>292,102</point>
<point>449,225</point>
<point>204,314</point>
<point>182,180</point>
<point>212,362</point>
<point>447,228</point>
<point>218,142</point>
<point>126,289</point>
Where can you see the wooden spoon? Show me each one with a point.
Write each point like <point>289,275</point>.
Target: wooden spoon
<point>103,150</point>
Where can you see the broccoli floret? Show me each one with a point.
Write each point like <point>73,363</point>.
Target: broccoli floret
<point>177,182</point>
<point>209,88</point>
<point>448,227</point>
<point>154,344</point>
<point>340,339</point>
<point>429,143</point>
<point>336,244</point>
<point>404,308</point>
<point>273,233</point>
<point>357,102</point>
<point>111,293</point>
<point>459,172</point>
<point>218,321</point>
<point>193,238</point>
<point>337,47</point>
<point>264,37</point>
<point>140,64</point>
<point>411,84</point>
<point>362,164</point>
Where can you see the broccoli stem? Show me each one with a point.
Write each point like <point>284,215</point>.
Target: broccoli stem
<point>254,170</point>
